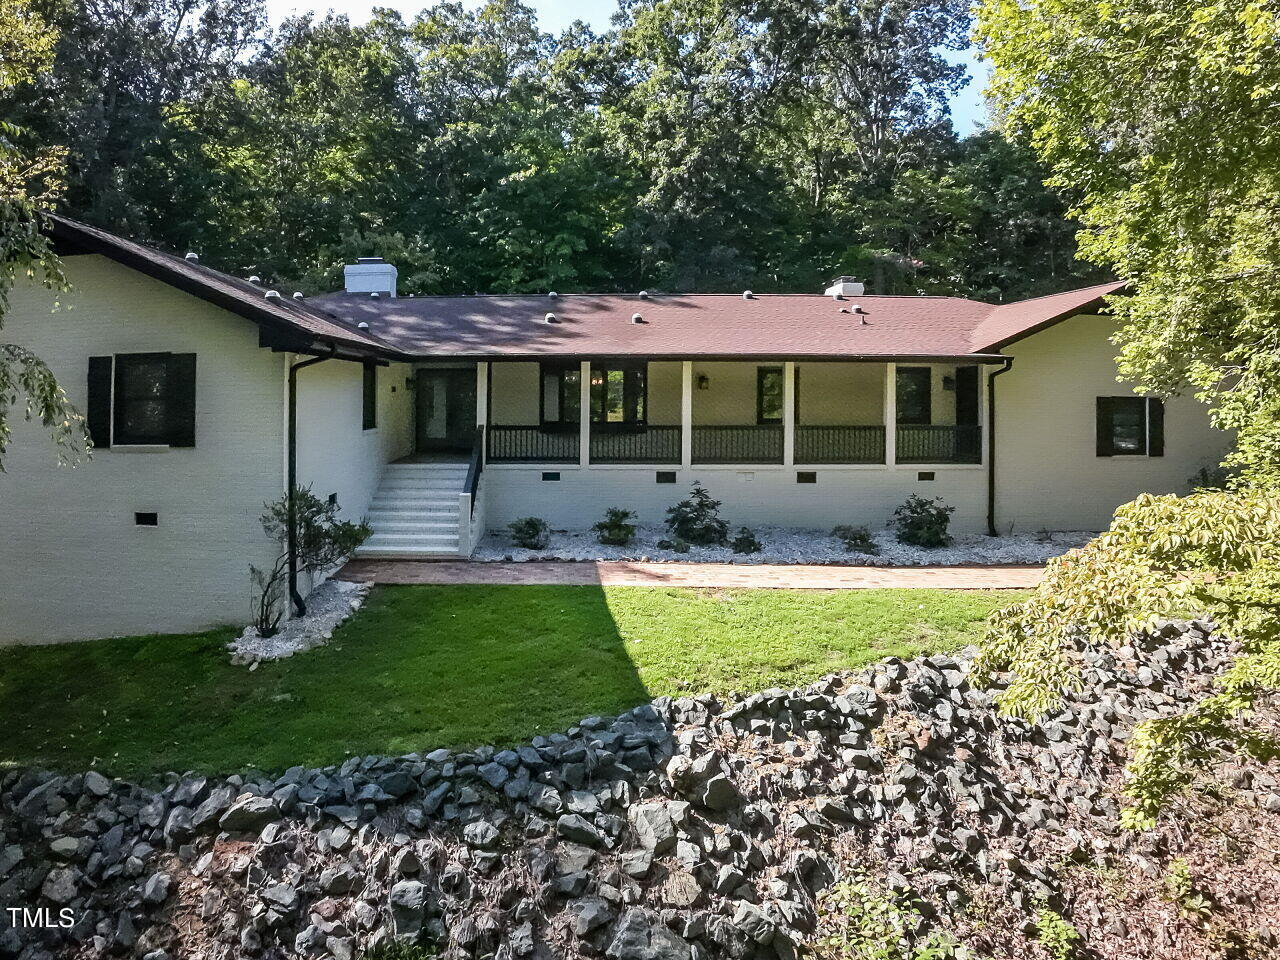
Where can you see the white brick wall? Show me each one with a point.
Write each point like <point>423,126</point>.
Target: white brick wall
<point>72,562</point>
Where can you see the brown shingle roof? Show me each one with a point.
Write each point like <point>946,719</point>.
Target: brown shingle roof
<point>1013,321</point>
<point>700,325</point>
<point>239,296</point>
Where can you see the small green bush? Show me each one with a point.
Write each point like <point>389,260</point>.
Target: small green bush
<point>923,523</point>
<point>1058,936</point>
<point>860,919</point>
<point>676,546</point>
<point>697,520</point>
<point>616,530</point>
<point>532,533</point>
<point>856,540</point>
<point>745,542</point>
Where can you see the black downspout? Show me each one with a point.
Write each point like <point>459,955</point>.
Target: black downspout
<point>991,447</point>
<point>299,607</point>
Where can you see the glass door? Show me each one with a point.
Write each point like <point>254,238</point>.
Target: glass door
<point>446,409</point>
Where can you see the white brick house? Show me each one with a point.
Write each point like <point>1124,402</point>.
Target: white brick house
<point>439,417</point>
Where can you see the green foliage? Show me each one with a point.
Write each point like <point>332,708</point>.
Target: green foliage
<point>923,523</point>
<point>696,519</point>
<point>675,546</point>
<point>1177,187</point>
<point>856,539</point>
<point>30,184</point>
<point>532,533</point>
<point>616,529</point>
<point>860,919</point>
<point>1058,936</point>
<point>696,144</point>
<point>322,541</point>
<point>745,542</point>
<point>1182,891</point>
<point>1213,554</point>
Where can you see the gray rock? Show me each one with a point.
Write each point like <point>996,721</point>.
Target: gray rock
<point>481,834</point>
<point>339,880</point>
<point>408,900</point>
<point>95,784</point>
<point>156,889</point>
<point>574,827</point>
<point>639,936</point>
<point>719,793</point>
<point>60,885</point>
<point>249,814</point>
<point>654,828</point>
<point>589,913</point>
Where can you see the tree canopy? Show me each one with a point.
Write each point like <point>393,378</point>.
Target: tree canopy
<point>695,145</point>
<point>1164,117</point>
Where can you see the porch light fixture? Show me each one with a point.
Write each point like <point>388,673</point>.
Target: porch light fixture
<point>704,382</point>
<point>948,383</point>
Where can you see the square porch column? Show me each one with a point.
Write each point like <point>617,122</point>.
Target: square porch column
<point>686,414</point>
<point>890,414</point>
<point>482,405</point>
<point>584,413</point>
<point>788,413</point>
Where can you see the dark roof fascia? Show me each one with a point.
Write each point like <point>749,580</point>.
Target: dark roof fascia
<point>1093,306</point>
<point>980,358</point>
<point>157,270</point>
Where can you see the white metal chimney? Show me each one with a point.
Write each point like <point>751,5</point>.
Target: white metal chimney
<point>845,287</point>
<point>370,275</point>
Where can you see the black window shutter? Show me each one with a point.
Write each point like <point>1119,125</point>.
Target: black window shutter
<point>1105,426</point>
<point>181,396</point>
<point>369,413</point>
<point>1155,427</point>
<point>98,415</point>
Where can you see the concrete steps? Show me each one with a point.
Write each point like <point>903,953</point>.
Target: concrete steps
<point>414,513</point>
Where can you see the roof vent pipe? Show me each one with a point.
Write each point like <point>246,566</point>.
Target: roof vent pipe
<point>374,294</point>
<point>553,295</point>
<point>370,275</point>
<point>636,318</point>
<point>192,256</point>
<point>255,279</point>
<point>748,295</point>
<point>272,294</point>
<point>297,294</point>
<point>644,294</point>
<point>362,325</point>
<point>551,318</point>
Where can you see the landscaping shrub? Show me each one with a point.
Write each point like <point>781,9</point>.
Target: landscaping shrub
<point>532,533</point>
<point>745,542</point>
<point>856,539</point>
<point>696,520</point>
<point>676,546</point>
<point>861,919</point>
<point>323,541</point>
<point>1209,554</point>
<point>923,523</point>
<point>615,530</point>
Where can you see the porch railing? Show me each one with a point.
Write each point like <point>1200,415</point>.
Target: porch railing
<point>839,444</point>
<point>532,445</point>
<point>755,443</point>
<point>939,444</point>
<point>651,444</point>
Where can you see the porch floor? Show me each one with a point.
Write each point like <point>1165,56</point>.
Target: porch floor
<point>628,573</point>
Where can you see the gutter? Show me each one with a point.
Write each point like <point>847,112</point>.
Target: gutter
<point>991,447</point>
<point>300,608</point>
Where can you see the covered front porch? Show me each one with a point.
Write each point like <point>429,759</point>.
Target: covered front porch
<point>686,413</point>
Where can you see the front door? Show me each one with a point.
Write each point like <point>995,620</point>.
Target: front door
<point>446,410</point>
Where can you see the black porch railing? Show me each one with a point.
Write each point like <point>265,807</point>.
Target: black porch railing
<point>532,445</point>
<point>632,444</point>
<point>839,444</point>
<point>939,444</point>
<point>757,443</point>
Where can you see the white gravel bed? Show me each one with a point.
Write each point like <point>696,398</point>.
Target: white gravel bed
<point>788,545</point>
<point>328,606</point>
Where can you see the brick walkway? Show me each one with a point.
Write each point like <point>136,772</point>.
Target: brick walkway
<point>624,573</point>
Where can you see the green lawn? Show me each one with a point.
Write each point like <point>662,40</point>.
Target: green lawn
<point>423,667</point>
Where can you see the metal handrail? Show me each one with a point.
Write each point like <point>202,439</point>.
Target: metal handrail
<point>475,467</point>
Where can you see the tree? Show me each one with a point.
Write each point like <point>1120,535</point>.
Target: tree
<point>1164,117</point>
<point>29,183</point>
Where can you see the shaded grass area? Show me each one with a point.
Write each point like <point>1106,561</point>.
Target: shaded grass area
<point>428,666</point>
